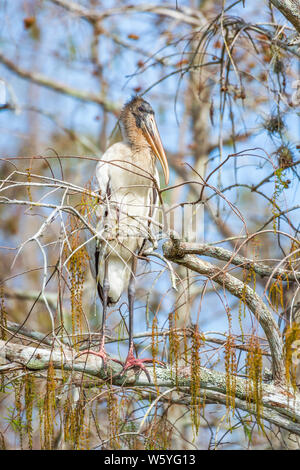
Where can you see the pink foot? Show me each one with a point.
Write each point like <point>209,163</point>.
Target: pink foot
<point>133,362</point>
<point>101,353</point>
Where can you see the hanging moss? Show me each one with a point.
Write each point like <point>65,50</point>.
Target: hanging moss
<point>88,204</point>
<point>80,437</point>
<point>68,420</point>
<point>49,407</point>
<point>28,188</point>
<point>159,434</point>
<point>231,371</point>
<point>3,329</point>
<point>174,344</point>
<point>196,405</point>
<point>254,367</point>
<point>113,419</point>
<point>154,344</point>
<point>276,293</point>
<point>18,387</point>
<point>291,352</point>
<point>249,275</point>
<point>3,316</point>
<point>280,185</point>
<point>75,430</point>
<point>77,265</point>
<point>29,399</point>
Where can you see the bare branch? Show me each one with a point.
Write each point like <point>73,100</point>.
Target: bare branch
<point>241,291</point>
<point>183,14</point>
<point>47,82</point>
<point>185,248</point>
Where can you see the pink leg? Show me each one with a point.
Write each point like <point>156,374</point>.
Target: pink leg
<point>133,362</point>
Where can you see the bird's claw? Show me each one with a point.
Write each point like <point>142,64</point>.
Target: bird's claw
<point>133,362</point>
<point>101,353</point>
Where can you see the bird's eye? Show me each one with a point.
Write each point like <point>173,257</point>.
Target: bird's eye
<point>142,109</point>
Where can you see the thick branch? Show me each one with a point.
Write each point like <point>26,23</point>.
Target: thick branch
<point>290,9</point>
<point>280,406</point>
<point>241,291</point>
<point>222,254</point>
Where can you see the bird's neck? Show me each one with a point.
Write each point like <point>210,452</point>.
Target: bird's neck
<point>140,153</point>
<point>133,135</point>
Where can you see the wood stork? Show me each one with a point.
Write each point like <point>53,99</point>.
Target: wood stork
<point>127,179</point>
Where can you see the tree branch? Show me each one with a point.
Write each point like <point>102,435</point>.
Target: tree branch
<point>241,291</point>
<point>184,14</point>
<point>290,9</point>
<point>47,82</point>
<point>280,406</point>
<point>186,332</point>
<point>222,254</point>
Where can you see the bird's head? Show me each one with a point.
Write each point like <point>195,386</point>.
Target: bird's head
<point>139,124</point>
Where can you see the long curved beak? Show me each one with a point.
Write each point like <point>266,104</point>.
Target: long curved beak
<point>153,138</point>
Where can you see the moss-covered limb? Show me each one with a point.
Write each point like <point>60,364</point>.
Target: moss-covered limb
<point>185,248</point>
<point>240,290</point>
<point>279,406</point>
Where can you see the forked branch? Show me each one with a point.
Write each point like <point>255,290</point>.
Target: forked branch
<point>240,290</point>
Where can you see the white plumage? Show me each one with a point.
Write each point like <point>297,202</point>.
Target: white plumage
<point>127,183</point>
<point>124,220</point>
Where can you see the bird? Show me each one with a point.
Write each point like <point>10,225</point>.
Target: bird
<point>128,181</point>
